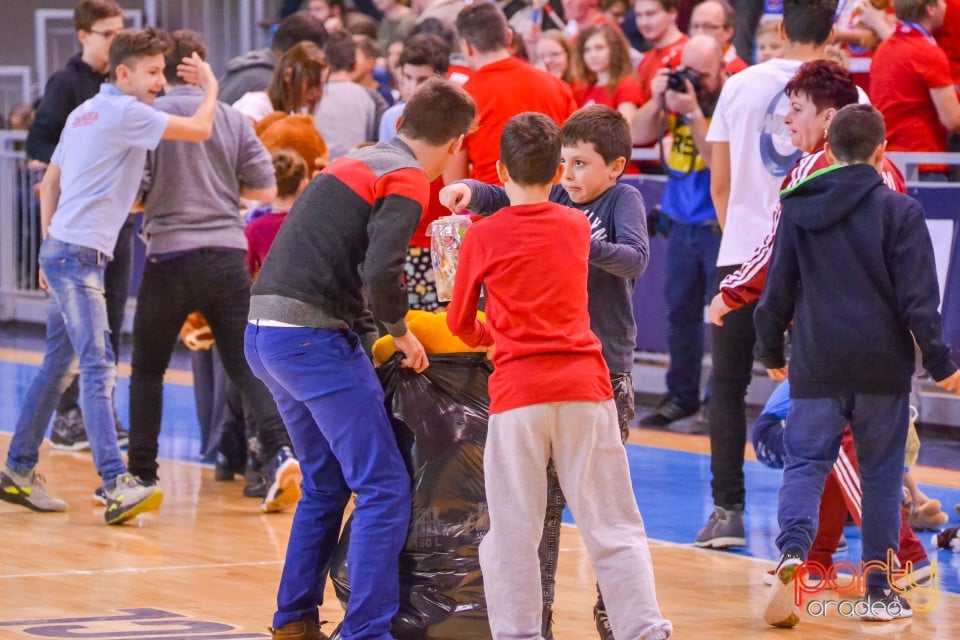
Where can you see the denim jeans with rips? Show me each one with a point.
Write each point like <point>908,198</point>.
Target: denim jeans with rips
<point>76,328</point>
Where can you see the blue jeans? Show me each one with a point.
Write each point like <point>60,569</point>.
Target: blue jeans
<point>332,403</point>
<point>691,280</point>
<point>76,326</point>
<point>812,440</point>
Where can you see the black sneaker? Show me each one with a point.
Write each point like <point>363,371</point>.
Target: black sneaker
<point>282,478</point>
<point>669,411</point>
<point>123,436</point>
<point>883,605</point>
<point>69,432</point>
<point>547,623</point>
<point>603,622</point>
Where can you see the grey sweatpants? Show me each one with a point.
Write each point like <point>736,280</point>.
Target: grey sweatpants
<point>584,440</point>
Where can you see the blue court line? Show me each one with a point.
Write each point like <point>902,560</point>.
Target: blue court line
<point>672,487</point>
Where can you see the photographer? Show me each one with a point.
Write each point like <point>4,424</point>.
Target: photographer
<point>684,98</point>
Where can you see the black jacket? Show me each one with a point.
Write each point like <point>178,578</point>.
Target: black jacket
<point>66,90</point>
<point>853,269</point>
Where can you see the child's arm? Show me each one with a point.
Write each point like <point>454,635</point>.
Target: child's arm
<point>462,313</point>
<point>775,310</point>
<point>626,254</point>
<point>914,276</point>
<point>199,126</point>
<point>474,196</point>
<point>49,197</point>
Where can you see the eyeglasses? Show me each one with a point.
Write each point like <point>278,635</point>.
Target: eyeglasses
<point>705,27</point>
<point>106,35</point>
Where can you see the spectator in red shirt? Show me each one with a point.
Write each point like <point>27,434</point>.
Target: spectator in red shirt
<point>502,87</point>
<point>715,18</point>
<point>602,63</point>
<point>657,23</point>
<point>911,84</point>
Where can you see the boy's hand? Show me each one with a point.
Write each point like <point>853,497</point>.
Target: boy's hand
<point>414,355</point>
<point>195,71</point>
<point>951,383</point>
<point>778,374</point>
<point>455,197</point>
<point>718,309</point>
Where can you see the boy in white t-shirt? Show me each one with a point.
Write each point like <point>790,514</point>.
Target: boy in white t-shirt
<point>751,154</point>
<point>86,194</point>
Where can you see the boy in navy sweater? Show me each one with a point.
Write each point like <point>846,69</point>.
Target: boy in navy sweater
<point>596,147</point>
<point>853,270</point>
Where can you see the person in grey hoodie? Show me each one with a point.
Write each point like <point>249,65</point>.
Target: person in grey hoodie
<point>197,261</point>
<point>853,271</point>
<point>253,71</point>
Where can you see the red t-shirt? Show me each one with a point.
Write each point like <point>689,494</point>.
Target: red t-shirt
<point>732,62</point>
<point>627,91</point>
<point>906,66</point>
<point>502,89</point>
<point>260,235</point>
<point>948,37</point>
<point>656,59</point>
<point>533,260</point>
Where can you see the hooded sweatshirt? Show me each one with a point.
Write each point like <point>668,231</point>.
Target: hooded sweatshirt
<point>853,269</point>
<point>253,71</point>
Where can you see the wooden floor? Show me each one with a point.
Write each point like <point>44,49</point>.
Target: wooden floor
<point>207,566</point>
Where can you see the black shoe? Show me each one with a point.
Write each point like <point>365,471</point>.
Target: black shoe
<point>257,489</point>
<point>669,411</point>
<point>69,432</point>
<point>224,471</point>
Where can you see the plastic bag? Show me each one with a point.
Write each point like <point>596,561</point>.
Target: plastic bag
<point>440,420</point>
<point>446,236</point>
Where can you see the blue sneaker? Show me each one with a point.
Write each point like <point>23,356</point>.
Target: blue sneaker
<point>282,478</point>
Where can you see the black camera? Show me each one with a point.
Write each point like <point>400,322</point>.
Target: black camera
<point>676,80</point>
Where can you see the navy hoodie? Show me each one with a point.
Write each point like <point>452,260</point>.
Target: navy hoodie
<point>853,269</point>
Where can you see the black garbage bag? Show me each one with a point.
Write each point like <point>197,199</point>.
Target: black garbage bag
<point>440,420</point>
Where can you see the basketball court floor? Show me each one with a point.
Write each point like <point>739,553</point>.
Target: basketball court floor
<point>206,566</point>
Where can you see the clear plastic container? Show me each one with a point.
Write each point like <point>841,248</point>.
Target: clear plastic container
<point>446,236</point>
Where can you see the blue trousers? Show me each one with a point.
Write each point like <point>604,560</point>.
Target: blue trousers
<point>77,327</point>
<point>332,403</point>
<point>812,440</point>
<point>691,281</point>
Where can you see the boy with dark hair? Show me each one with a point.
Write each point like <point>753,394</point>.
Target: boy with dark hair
<point>550,396</point>
<point>96,22</point>
<point>86,194</point>
<point>853,347</point>
<point>347,114</point>
<point>423,57</point>
<point>503,86</point>
<point>197,261</point>
<point>595,148</point>
<point>309,327</point>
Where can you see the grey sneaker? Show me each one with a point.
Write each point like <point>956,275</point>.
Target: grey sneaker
<point>128,497</point>
<point>27,491</point>
<point>724,529</point>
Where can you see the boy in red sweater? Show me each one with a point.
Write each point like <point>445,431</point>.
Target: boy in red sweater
<point>550,395</point>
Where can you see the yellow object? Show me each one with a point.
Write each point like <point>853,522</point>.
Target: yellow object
<point>432,332</point>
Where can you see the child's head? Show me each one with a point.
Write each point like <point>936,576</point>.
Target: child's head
<point>21,117</point>
<point>482,28</point>
<point>602,49</point>
<point>341,52</point>
<point>291,172</point>
<point>438,115</point>
<point>424,56</point>
<point>920,11</point>
<point>367,54</point>
<point>769,41</point>
<point>595,152</point>
<point>97,22</point>
<point>529,150</point>
<point>298,78</point>
<point>185,43</point>
<point>555,54</point>
<point>137,62</point>
<point>614,10</point>
<point>295,29</point>
<point>808,21</point>
<point>857,135</point>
